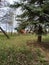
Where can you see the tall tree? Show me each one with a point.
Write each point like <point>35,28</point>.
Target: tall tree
<point>36,11</point>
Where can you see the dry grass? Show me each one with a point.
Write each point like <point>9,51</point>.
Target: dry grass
<point>15,51</point>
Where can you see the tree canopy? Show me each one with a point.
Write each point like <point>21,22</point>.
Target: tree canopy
<point>34,11</point>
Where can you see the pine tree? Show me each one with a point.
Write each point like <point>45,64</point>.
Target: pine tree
<point>34,11</point>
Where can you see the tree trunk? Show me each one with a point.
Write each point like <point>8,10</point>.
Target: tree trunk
<point>4,33</point>
<point>40,31</point>
<point>39,38</point>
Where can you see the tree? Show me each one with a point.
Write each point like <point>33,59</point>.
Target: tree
<point>35,11</point>
<point>6,15</point>
<point>2,5</point>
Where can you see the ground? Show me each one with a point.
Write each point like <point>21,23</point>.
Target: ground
<point>23,49</point>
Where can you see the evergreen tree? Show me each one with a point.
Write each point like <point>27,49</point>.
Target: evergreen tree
<point>34,11</point>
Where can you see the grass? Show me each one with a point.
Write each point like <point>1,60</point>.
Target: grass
<point>46,38</point>
<point>14,51</point>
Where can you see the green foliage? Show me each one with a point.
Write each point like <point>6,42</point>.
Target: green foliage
<point>22,25</point>
<point>15,6</point>
<point>33,9</point>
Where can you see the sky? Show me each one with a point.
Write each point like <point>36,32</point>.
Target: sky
<point>1,13</point>
<point>11,1</point>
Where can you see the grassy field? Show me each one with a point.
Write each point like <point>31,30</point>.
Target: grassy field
<point>17,51</point>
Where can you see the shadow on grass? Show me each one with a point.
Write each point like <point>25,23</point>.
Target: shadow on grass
<point>43,45</point>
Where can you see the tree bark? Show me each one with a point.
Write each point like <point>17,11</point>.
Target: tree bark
<point>4,33</point>
<point>40,31</point>
<point>39,38</point>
